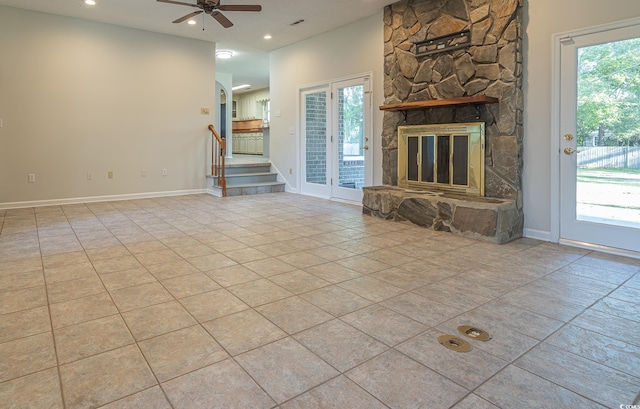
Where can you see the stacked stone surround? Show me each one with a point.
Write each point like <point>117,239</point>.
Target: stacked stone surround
<point>491,65</point>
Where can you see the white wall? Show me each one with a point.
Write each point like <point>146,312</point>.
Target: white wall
<point>78,96</point>
<point>353,49</point>
<point>543,18</point>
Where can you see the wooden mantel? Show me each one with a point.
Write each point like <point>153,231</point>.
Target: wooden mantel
<point>439,103</point>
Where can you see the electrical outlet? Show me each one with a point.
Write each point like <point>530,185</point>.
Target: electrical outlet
<point>291,171</point>
<point>164,172</point>
<point>32,178</point>
<point>89,176</point>
<point>204,111</point>
<point>143,173</point>
<point>110,174</point>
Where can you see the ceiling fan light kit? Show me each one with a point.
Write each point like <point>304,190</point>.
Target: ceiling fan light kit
<point>212,8</point>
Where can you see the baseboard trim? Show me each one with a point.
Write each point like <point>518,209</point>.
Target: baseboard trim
<point>214,192</point>
<point>349,202</point>
<point>600,248</point>
<point>94,199</point>
<point>537,234</point>
<point>287,187</point>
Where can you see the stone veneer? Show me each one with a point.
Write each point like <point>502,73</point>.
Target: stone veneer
<point>491,65</point>
<point>482,218</point>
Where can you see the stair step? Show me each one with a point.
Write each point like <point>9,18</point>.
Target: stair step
<point>251,189</point>
<point>249,164</point>
<point>245,179</point>
<point>251,178</point>
<point>239,168</point>
<point>248,178</point>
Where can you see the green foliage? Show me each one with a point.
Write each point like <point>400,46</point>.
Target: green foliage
<point>353,113</point>
<point>609,92</point>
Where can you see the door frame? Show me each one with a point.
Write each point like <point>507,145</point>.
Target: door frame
<point>556,132</point>
<point>326,191</point>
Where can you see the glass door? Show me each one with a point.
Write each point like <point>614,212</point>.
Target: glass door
<point>351,138</point>
<point>336,139</point>
<point>600,138</point>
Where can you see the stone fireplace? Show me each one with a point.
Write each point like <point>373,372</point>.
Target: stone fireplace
<point>483,60</point>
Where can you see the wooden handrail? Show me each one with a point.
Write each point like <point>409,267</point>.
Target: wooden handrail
<point>218,152</point>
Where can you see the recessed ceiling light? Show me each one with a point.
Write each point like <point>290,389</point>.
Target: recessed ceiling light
<point>243,86</point>
<point>224,54</point>
<point>90,2</point>
<point>191,22</point>
<point>267,37</point>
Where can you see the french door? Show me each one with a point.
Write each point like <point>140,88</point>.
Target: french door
<point>336,139</point>
<point>598,137</point>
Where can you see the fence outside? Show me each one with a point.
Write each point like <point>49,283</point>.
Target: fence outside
<point>609,157</point>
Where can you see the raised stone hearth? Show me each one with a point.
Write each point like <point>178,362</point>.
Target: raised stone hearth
<point>490,65</point>
<point>494,220</point>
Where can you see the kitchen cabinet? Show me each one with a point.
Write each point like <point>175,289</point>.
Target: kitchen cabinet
<point>248,137</point>
<point>248,143</point>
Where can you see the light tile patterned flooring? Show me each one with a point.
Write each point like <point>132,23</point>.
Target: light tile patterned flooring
<point>288,301</point>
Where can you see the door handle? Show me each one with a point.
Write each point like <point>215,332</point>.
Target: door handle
<point>569,151</point>
<point>366,147</point>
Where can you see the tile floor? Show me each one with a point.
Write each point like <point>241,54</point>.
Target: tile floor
<point>288,301</point>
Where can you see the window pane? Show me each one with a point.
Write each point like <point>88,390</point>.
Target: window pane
<point>460,159</point>
<point>608,134</point>
<point>351,136</point>
<point>428,153</point>
<point>443,159</point>
<point>316,137</point>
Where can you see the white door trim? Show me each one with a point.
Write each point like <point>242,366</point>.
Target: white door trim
<point>558,40</point>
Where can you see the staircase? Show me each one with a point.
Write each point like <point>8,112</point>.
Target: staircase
<point>245,176</point>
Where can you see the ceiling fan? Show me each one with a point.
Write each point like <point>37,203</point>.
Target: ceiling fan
<point>213,8</point>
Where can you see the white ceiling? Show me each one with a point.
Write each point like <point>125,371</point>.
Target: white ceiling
<point>251,61</point>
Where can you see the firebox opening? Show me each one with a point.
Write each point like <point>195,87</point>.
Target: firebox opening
<point>442,156</point>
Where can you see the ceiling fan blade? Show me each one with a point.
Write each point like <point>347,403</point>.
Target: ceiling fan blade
<point>239,7</point>
<point>178,2</point>
<point>221,19</point>
<point>187,17</point>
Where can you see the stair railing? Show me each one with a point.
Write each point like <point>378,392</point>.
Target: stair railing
<point>218,152</point>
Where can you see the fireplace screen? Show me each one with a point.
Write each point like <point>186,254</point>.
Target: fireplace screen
<point>443,156</point>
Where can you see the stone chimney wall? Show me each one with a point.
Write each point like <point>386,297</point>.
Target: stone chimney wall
<point>491,65</point>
